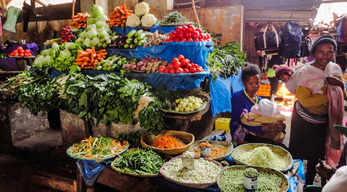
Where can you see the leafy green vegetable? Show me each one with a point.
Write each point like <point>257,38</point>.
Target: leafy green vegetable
<point>151,118</point>
<point>225,60</point>
<point>174,17</point>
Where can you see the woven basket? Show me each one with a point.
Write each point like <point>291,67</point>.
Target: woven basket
<point>284,185</point>
<point>106,157</point>
<point>131,174</point>
<point>225,144</point>
<point>187,138</point>
<point>194,185</point>
<point>280,151</point>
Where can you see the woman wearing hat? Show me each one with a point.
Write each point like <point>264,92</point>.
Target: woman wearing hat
<point>309,125</point>
<point>245,100</point>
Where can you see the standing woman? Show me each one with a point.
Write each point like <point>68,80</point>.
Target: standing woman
<point>245,99</point>
<point>310,120</point>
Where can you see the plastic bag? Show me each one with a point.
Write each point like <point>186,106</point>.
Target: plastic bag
<point>12,16</point>
<point>90,170</point>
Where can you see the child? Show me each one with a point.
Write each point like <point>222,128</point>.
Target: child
<point>264,113</point>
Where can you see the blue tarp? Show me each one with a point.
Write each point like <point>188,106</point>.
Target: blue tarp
<point>162,29</point>
<point>121,30</point>
<point>221,92</point>
<point>196,52</point>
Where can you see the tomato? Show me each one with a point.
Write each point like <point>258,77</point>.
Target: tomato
<point>173,35</point>
<point>172,70</point>
<point>188,35</point>
<point>19,48</point>
<point>186,70</point>
<point>184,29</point>
<point>15,51</point>
<point>171,66</point>
<point>26,54</point>
<point>27,51</point>
<point>21,54</point>
<point>195,65</point>
<point>198,30</point>
<point>177,65</point>
<point>175,60</point>
<point>179,70</point>
<point>195,39</point>
<point>180,35</point>
<point>177,40</point>
<point>178,29</point>
<point>166,70</point>
<point>200,69</point>
<point>21,51</point>
<point>15,54</point>
<point>180,57</point>
<point>187,60</point>
<point>183,62</point>
<point>196,34</point>
<point>190,39</point>
<point>191,28</point>
<point>192,70</point>
<point>188,65</point>
<point>207,36</point>
<point>161,69</point>
<point>183,39</point>
<point>202,36</point>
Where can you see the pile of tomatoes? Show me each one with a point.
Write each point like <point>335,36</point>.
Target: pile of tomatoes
<point>180,65</point>
<point>188,33</point>
<point>20,52</point>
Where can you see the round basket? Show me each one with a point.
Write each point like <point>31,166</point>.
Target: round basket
<point>194,185</point>
<point>131,174</point>
<point>283,187</point>
<point>224,144</point>
<point>280,151</point>
<point>106,157</point>
<point>187,138</point>
<point>190,112</point>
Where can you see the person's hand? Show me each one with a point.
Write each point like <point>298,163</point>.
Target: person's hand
<point>268,127</point>
<point>280,126</point>
<point>335,82</point>
<point>324,172</point>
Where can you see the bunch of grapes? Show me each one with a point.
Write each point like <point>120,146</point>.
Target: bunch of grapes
<point>67,34</point>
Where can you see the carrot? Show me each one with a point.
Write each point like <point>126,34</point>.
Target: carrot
<point>167,141</point>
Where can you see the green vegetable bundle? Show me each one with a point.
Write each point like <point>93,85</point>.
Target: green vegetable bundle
<point>225,60</point>
<point>139,161</point>
<point>174,17</point>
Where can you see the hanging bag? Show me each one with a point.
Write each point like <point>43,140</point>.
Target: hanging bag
<point>267,40</point>
<point>291,40</point>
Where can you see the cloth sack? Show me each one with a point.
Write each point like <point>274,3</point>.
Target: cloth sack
<point>12,16</point>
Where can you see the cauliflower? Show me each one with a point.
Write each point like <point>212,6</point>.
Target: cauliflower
<point>133,21</point>
<point>148,20</point>
<point>141,9</point>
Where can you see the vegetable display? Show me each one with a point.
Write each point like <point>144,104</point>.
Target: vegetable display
<point>113,63</point>
<point>119,16</point>
<point>97,148</point>
<point>188,33</point>
<point>90,58</point>
<point>173,17</point>
<point>167,142</point>
<point>20,52</point>
<point>149,64</point>
<point>189,104</point>
<point>135,38</point>
<point>225,60</point>
<point>181,64</point>
<point>80,20</point>
<point>205,171</point>
<point>139,161</point>
<point>232,180</point>
<point>141,16</point>
<point>67,34</point>
<point>97,34</point>
<point>263,156</point>
<point>35,90</point>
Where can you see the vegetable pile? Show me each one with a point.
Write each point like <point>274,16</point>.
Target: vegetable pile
<point>154,39</point>
<point>141,16</point>
<point>119,16</point>
<point>173,18</point>
<point>113,63</point>
<point>225,60</point>
<point>135,38</point>
<point>80,20</point>
<point>188,33</point>
<point>181,64</point>
<point>35,90</point>
<point>189,104</point>
<point>139,161</point>
<point>232,180</point>
<point>149,64</point>
<point>97,148</point>
<point>90,58</point>
<point>167,142</point>
<point>205,171</point>
<point>20,52</point>
<point>216,150</point>
<point>264,157</point>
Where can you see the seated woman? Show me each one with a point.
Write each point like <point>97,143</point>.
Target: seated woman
<point>245,99</point>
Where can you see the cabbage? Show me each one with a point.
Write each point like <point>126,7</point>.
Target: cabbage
<point>96,10</point>
<point>94,42</point>
<point>83,35</point>
<point>92,33</point>
<point>101,24</point>
<point>89,27</point>
<point>87,42</point>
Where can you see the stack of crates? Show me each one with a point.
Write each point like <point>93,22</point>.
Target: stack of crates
<point>222,124</point>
